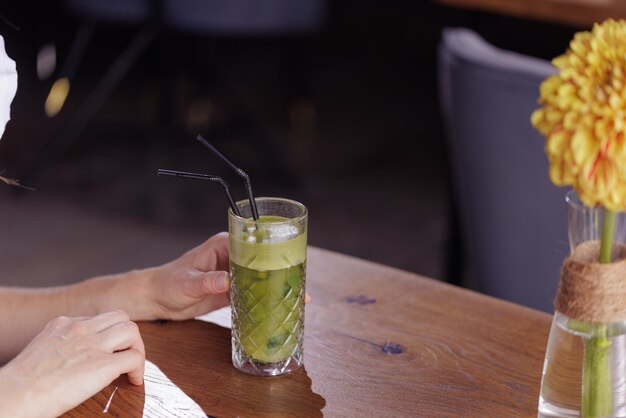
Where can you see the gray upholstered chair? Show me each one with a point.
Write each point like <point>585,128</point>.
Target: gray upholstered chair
<point>512,219</point>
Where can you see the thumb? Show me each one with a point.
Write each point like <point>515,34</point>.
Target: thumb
<point>213,283</point>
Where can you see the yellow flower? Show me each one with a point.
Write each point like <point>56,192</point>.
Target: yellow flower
<point>584,116</point>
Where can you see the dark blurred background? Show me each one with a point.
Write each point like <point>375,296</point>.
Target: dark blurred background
<point>340,113</point>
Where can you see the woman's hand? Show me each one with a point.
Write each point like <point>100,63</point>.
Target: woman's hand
<point>193,284</point>
<point>69,361</point>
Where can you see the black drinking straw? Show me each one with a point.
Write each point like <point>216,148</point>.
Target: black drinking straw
<point>240,173</point>
<point>197,176</point>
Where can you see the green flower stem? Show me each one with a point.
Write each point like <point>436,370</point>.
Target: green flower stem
<point>608,230</point>
<point>597,388</point>
<point>597,400</point>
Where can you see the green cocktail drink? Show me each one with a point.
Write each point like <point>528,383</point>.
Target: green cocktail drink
<point>268,271</point>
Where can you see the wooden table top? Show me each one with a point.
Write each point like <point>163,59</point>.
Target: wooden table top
<point>580,13</point>
<point>378,342</point>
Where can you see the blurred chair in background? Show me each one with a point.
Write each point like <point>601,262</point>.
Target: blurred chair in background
<point>245,17</point>
<point>144,13</point>
<point>153,17</point>
<point>512,218</point>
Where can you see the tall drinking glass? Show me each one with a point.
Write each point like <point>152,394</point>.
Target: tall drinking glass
<point>268,271</point>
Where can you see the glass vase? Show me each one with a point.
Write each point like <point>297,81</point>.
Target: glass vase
<point>584,373</point>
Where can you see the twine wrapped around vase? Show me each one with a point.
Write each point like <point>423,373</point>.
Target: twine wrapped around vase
<point>590,291</point>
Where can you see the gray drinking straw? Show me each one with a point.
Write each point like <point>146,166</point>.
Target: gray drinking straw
<point>197,176</point>
<point>240,173</point>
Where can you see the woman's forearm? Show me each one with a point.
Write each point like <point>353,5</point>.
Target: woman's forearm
<point>127,292</point>
<point>24,312</point>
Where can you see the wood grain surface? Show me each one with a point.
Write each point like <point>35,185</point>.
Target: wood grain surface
<point>378,342</point>
<point>579,13</point>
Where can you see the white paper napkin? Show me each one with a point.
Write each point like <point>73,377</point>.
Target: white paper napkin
<point>219,317</point>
